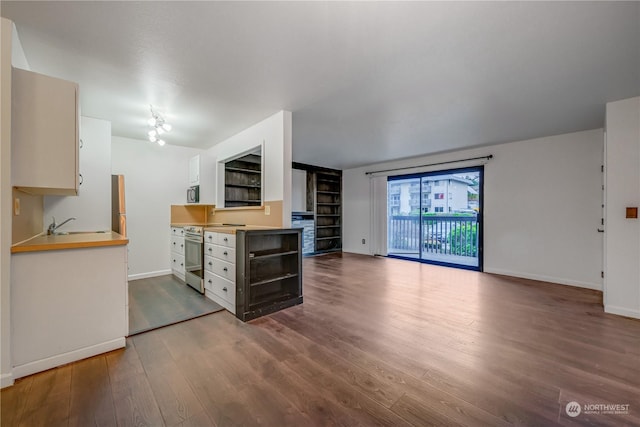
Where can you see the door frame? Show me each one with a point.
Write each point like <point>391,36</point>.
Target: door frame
<point>480,216</point>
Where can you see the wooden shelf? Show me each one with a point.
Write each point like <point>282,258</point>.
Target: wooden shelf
<point>328,215</point>
<point>269,254</point>
<point>243,181</point>
<point>328,192</point>
<point>329,226</point>
<point>328,204</point>
<point>328,238</point>
<point>273,279</point>
<point>242,170</point>
<point>243,185</point>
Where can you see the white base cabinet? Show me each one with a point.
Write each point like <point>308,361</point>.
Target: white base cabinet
<point>220,269</point>
<point>177,252</point>
<point>67,305</point>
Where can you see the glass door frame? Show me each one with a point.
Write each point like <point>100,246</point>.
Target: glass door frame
<point>480,216</point>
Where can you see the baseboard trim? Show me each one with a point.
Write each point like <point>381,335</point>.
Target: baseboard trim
<point>6,380</point>
<point>63,359</point>
<point>557,280</point>
<point>149,274</point>
<point>622,311</point>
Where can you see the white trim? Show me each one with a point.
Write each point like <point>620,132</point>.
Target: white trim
<point>63,359</point>
<point>622,311</point>
<point>556,280</point>
<point>6,380</point>
<point>149,274</point>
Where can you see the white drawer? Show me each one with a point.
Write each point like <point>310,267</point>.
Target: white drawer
<point>177,263</point>
<point>177,244</point>
<point>210,237</point>
<point>223,288</point>
<point>208,249</point>
<point>208,263</point>
<point>177,231</point>
<point>224,253</point>
<point>224,269</point>
<point>228,240</point>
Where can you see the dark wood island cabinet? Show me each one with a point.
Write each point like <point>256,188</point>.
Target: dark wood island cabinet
<point>269,271</point>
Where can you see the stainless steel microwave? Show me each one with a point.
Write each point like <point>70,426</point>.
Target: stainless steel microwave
<point>193,194</point>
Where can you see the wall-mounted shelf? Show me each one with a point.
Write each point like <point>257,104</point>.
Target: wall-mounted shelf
<point>243,181</point>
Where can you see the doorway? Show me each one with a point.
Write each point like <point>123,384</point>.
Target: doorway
<point>436,217</point>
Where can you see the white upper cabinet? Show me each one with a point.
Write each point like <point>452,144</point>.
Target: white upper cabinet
<point>194,170</point>
<point>44,124</point>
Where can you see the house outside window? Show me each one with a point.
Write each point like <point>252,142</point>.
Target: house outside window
<point>438,209</point>
<point>438,196</point>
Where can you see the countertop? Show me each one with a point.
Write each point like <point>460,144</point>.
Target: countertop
<point>44,242</point>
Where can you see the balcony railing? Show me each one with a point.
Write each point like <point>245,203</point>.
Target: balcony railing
<point>441,235</point>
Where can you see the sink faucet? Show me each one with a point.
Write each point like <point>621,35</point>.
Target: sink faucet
<point>53,226</point>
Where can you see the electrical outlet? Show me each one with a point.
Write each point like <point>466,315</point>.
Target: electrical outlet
<point>267,210</point>
<point>16,206</point>
<point>363,241</point>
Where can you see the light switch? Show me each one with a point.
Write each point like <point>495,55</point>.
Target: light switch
<point>16,206</point>
<point>632,212</point>
<point>267,210</point>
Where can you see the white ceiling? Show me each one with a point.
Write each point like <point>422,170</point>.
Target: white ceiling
<point>366,82</point>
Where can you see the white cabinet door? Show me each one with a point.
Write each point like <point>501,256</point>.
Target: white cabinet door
<point>194,170</point>
<point>44,146</point>
<point>92,207</point>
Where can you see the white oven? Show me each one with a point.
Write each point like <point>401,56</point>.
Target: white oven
<point>194,257</point>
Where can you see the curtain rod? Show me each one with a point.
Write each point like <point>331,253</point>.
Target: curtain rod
<point>490,156</point>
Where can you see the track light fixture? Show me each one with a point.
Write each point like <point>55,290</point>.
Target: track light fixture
<point>158,125</point>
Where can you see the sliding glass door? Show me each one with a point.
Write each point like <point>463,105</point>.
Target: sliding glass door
<point>436,217</point>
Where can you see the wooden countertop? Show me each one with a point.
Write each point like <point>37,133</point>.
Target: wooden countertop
<point>56,242</point>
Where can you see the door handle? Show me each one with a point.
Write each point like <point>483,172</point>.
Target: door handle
<point>600,230</point>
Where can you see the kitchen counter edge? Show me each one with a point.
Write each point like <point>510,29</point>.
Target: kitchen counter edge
<point>43,242</point>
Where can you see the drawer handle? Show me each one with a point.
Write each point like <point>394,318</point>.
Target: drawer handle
<point>181,264</point>
<point>209,249</point>
<point>181,245</point>
<point>181,231</point>
<point>209,281</point>
<point>224,253</point>
<point>225,269</point>
<point>209,237</point>
<point>174,243</point>
<point>224,289</point>
<point>226,240</point>
<point>210,263</point>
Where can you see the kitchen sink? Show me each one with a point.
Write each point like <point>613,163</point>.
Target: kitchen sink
<point>67,233</point>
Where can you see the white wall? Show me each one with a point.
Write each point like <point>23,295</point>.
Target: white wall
<point>622,236</point>
<point>155,178</point>
<point>542,207</point>
<point>275,133</point>
<point>92,206</point>
<point>298,190</point>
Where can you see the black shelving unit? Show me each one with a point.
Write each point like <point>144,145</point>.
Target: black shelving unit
<point>328,210</point>
<point>243,181</point>
<point>269,271</point>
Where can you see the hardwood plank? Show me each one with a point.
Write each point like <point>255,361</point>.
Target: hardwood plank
<point>48,399</point>
<point>14,401</point>
<point>91,398</point>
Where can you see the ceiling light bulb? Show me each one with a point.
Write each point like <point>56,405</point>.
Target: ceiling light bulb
<point>161,142</point>
<point>152,138</point>
<point>152,121</point>
<point>166,127</point>
<point>152,132</point>
<point>159,130</point>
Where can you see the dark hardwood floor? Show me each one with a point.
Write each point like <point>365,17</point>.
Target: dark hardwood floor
<point>377,342</point>
<point>164,300</point>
